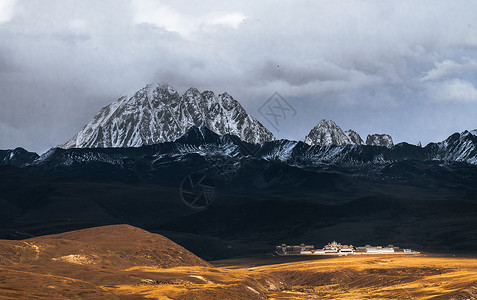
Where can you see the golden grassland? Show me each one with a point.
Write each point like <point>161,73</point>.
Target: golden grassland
<point>353,277</point>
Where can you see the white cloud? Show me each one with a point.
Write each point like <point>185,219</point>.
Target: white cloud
<point>7,8</point>
<point>153,12</point>
<point>455,90</point>
<point>164,16</point>
<point>449,67</point>
<point>233,20</point>
<point>78,25</point>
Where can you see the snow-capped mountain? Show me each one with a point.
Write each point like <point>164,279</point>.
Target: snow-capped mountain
<point>379,140</point>
<point>157,113</point>
<point>328,133</point>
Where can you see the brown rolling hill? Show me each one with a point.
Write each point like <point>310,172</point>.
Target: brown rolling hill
<point>115,246</point>
<point>74,264</point>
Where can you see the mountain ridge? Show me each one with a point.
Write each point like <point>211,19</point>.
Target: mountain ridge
<point>461,147</point>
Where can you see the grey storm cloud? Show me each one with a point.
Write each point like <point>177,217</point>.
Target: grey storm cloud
<point>399,67</point>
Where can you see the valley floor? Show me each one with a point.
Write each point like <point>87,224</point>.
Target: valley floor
<point>370,277</point>
<point>373,277</point>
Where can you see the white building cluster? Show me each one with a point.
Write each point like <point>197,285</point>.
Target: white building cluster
<point>335,248</point>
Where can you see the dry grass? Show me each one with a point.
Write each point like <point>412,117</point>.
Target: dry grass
<point>121,262</point>
<point>354,277</point>
<point>379,277</point>
<point>201,283</point>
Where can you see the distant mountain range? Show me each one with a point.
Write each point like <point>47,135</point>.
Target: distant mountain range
<point>459,147</point>
<point>217,125</point>
<point>157,114</point>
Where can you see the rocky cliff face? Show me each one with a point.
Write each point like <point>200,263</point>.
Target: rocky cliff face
<point>457,147</point>
<point>354,137</point>
<point>379,140</point>
<point>157,113</point>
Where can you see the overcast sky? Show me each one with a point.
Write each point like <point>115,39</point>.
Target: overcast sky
<point>407,68</point>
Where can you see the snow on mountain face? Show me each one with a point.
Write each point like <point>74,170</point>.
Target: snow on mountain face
<point>458,147</point>
<point>379,140</point>
<point>354,137</point>
<point>328,133</point>
<point>156,113</point>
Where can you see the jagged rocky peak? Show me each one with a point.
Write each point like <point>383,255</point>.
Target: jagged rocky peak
<point>157,113</point>
<point>328,133</point>
<point>459,147</point>
<point>379,140</point>
<point>354,137</point>
<point>462,137</point>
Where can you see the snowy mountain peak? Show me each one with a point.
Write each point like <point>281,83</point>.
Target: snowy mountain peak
<point>157,86</point>
<point>328,133</point>
<point>157,113</point>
